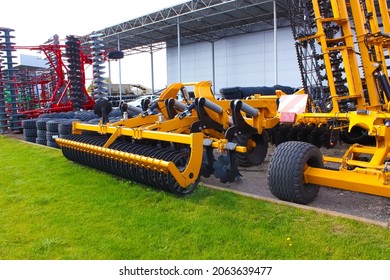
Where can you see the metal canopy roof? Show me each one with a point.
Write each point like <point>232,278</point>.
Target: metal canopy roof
<point>199,21</point>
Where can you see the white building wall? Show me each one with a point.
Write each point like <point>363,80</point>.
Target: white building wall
<point>246,60</point>
<point>32,60</point>
<point>196,63</point>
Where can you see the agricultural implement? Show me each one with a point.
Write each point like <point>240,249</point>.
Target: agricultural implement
<point>27,92</point>
<point>343,48</point>
<point>62,85</point>
<point>168,144</point>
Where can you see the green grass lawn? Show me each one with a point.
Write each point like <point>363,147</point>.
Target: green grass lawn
<point>52,208</point>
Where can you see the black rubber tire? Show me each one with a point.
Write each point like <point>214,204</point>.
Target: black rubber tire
<point>52,125</point>
<point>41,134</point>
<point>70,115</point>
<point>94,121</point>
<point>85,115</point>
<point>41,141</point>
<point>115,113</point>
<point>229,90</point>
<point>49,136</point>
<point>54,115</point>
<point>232,96</point>
<point>30,139</point>
<point>253,156</point>
<point>30,132</point>
<point>52,144</point>
<point>41,123</point>
<point>286,168</point>
<point>65,128</point>
<point>27,124</point>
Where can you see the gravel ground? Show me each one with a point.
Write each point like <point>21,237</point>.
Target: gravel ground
<point>364,206</point>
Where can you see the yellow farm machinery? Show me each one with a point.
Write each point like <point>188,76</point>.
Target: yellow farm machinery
<point>168,144</point>
<point>342,48</point>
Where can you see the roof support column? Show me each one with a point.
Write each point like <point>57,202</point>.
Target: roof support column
<point>178,50</point>
<point>275,44</point>
<point>213,63</point>
<point>120,73</point>
<point>152,67</point>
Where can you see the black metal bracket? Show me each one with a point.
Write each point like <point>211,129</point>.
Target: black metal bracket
<point>205,121</point>
<point>145,104</point>
<point>102,108</point>
<point>187,111</point>
<point>208,162</point>
<point>241,126</point>
<point>148,107</point>
<point>226,168</point>
<point>169,105</point>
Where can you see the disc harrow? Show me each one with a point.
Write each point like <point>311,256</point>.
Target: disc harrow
<point>168,143</point>
<point>76,72</point>
<point>319,135</point>
<point>9,75</point>
<point>3,107</point>
<point>133,161</point>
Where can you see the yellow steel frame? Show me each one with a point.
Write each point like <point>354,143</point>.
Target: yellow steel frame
<point>183,177</point>
<point>370,176</point>
<point>176,130</point>
<point>267,117</point>
<point>267,107</point>
<point>142,128</point>
<point>346,49</point>
<point>370,67</point>
<point>354,174</point>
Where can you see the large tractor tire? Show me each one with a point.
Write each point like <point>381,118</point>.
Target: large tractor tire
<point>257,147</point>
<point>286,168</point>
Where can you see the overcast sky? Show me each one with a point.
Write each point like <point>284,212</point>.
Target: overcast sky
<point>35,21</point>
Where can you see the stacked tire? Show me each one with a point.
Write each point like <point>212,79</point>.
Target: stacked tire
<point>47,127</point>
<point>29,130</point>
<point>52,132</point>
<point>115,113</point>
<point>85,116</point>
<point>65,128</point>
<point>244,92</point>
<point>41,131</point>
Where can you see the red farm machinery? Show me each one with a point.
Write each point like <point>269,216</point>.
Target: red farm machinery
<point>27,92</point>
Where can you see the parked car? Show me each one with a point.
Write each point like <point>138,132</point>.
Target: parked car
<point>137,102</point>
